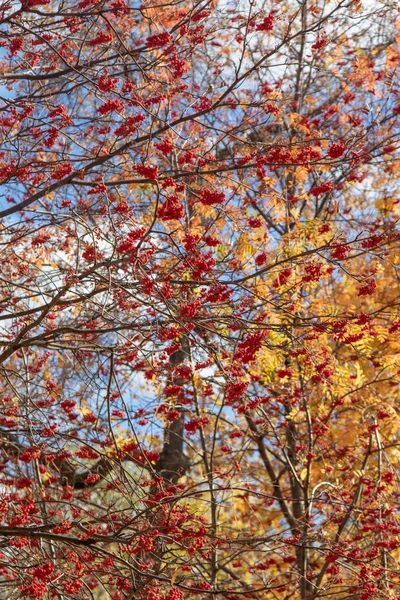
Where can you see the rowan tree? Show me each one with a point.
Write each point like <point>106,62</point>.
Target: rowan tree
<point>199,299</point>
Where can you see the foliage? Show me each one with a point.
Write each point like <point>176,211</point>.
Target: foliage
<point>199,299</point>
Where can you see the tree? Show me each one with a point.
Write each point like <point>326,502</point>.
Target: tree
<point>199,300</point>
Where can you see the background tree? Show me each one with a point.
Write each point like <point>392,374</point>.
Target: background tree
<point>199,300</point>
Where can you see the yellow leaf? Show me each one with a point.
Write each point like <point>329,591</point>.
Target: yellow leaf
<point>293,413</point>
<point>303,474</point>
